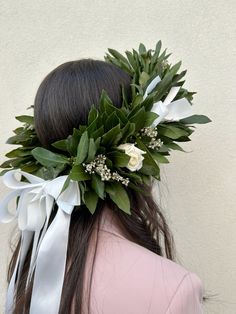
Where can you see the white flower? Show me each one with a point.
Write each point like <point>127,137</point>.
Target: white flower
<point>136,158</point>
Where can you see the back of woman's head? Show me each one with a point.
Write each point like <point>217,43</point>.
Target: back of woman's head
<point>62,103</point>
<point>66,95</point>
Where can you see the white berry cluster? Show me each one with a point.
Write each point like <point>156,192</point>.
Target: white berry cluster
<point>152,133</point>
<point>98,165</point>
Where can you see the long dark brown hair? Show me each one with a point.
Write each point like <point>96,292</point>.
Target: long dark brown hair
<point>62,103</point>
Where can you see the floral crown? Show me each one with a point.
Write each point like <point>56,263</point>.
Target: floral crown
<point>118,148</point>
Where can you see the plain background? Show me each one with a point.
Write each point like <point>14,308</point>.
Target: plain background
<point>198,188</point>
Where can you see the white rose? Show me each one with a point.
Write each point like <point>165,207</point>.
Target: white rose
<point>136,158</point>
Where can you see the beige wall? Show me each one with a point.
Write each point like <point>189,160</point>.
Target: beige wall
<point>199,188</point>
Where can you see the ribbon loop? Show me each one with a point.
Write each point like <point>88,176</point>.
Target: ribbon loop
<point>48,257</point>
<point>168,109</point>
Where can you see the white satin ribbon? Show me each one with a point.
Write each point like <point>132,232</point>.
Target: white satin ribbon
<point>49,251</point>
<point>168,109</point>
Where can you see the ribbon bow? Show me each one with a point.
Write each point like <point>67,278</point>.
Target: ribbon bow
<point>169,109</point>
<point>48,257</point>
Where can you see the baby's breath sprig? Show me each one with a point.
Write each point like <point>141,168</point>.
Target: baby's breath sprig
<point>98,165</point>
<point>151,132</point>
<point>117,177</point>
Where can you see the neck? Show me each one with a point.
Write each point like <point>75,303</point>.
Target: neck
<point>111,223</point>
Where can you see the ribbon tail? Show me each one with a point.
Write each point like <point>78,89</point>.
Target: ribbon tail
<point>33,256</point>
<point>48,203</point>
<point>26,238</point>
<point>11,289</point>
<point>50,266</point>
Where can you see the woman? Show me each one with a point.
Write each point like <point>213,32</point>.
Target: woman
<point>116,263</point>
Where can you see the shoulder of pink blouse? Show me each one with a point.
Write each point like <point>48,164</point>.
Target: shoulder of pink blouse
<point>128,278</point>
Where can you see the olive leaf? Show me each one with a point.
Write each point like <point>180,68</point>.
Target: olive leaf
<point>91,199</point>
<point>119,196</point>
<point>47,158</point>
<point>82,149</point>
<point>200,119</point>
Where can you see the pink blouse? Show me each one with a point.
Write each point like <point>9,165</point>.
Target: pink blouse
<point>129,279</point>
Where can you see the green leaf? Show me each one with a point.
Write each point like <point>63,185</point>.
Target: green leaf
<point>91,150</point>
<point>149,118</point>
<point>142,49</point>
<point>91,199</point>
<point>93,126</point>
<point>138,87</point>
<point>61,145</point>
<point>30,167</point>
<point>175,68</point>
<point>199,119</point>
<point>119,159</point>
<point>143,78</point>
<point>158,48</point>
<point>65,185</point>
<point>18,130</point>
<point>93,113</point>
<point>15,163</point>
<point>171,131</point>
<point>131,59</point>
<point>82,148</point>
<point>135,108</point>
<point>134,176</point>
<point>24,137</point>
<point>183,139</point>
<point>82,185</point>
<point>19,152</point>
<point>98,185</point>
<point>78,173</point>
<point>72,142</point>
<point>112,136</point>
<point>49,173</point>
<point>118,55</point>
<point>106,103</point>
<point>127,131</point>
<point>119,196</point>
<point>146,179</point>
<point>137,100</point>
<point>111,121</point>
<point>122,116</point>
<point>150,166</point>
<point>48,158</point>
<point>178,77</point>
<point>97,142</point>
<point>159,158</point>
<point>26,119</point>
<point>138,119</point>
<point>6,164</point>
<point>174,146</point>
<point>148,102</point>
<point>98,133</point>
<point>163,86</point>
